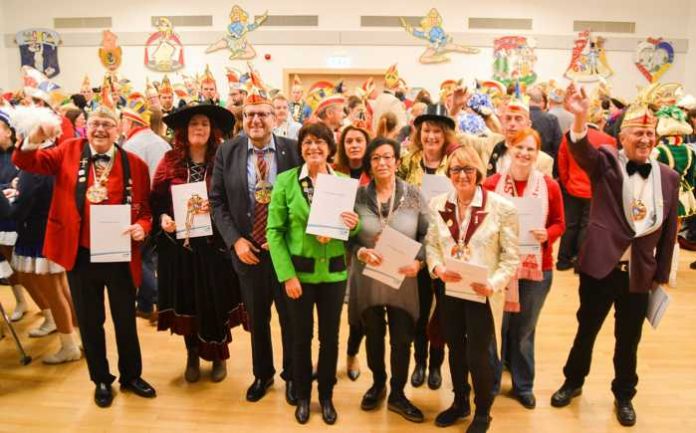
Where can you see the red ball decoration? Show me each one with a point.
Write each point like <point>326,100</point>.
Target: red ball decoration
<point>267,56</point>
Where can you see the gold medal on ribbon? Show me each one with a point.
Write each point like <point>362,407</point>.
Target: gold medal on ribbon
<point>638,210</point>
<point>97,193</point>
<point>262,192</point>
<point>461,251</point>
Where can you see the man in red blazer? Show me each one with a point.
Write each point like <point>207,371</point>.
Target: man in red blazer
<point>628,246</point>
<point>122,178</point>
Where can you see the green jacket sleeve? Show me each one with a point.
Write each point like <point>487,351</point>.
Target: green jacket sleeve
<point>276,228</point>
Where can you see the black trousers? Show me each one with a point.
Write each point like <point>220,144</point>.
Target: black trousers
<point>596,299</point>
<point>328,298</point>
<point>401,330</point>
<point>87,281</point>
<point>577,215</point>
<point>355,337</point>
<point>427,291</point>
<point>468,329</point>
<point>260,289</point>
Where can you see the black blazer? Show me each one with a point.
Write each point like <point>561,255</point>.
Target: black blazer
<point>229,191</point>
<point>30,208</point>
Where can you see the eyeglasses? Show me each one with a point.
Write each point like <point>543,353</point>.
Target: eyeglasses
<point>317,143</point>
<point>459,170</point>
<point>376,159</point>
<point>105,125</point>
<point>260,114</point>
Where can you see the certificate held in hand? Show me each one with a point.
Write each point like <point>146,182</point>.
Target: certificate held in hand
<point>184,199</point>
<point>398,250</point>
<point>333,195</point>
<point>108,242</point>
<point>471,273</point>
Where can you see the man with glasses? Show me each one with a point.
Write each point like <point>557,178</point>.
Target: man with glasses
<point>90,172</point>
<point>245,170</point>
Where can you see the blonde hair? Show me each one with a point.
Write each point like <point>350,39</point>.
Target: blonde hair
<point>467,155</point>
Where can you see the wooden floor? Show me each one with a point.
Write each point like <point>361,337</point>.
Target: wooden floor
<point>39,398</point>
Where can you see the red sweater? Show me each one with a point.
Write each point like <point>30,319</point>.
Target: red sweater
<point>574,178</point>
<point>555,222</point>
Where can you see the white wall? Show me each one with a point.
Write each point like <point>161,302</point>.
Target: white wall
<point>672,19</point>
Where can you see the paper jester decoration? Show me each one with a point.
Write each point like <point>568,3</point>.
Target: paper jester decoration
<point>235,39</point>
<point>439,43</point>
<point>514,60</point>
<point>164,51</point>
<point>38,48</point>
<point>653,57</point>
<point>589,60</point>
<point>110,52</point>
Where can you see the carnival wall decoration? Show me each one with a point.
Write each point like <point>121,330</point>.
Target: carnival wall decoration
<point>439,43</point>
<point>38,48</point>
<point>514,60</point>
<point>653,58</point>
<point>236,37</point>
<point>110,53</point>
<point>588,62</point>
<point>164,51</point>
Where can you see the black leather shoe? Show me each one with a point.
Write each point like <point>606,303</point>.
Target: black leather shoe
<point>372,397</point>
<point>564,266</point>
<point>480,424</point>
<point>418,376</point>
<point>563,396</point>
<point>103,395</point>
<point>140,388</point>
<point>302,411</point>
<point>434,378</point>
<point>405,408</point>
<point>290,393</point>
<point>461,408</point>
<point>625,412</point>
<point>526,400</point>
<point>328,411</point>
<point>258,389</point>
<point>692,265</point>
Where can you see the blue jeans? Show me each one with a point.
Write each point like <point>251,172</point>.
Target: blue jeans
<point>147,293</point>
<point>518,336</point>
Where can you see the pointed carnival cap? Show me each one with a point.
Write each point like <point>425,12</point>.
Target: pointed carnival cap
<point>638,116</point>
<point>672,121</point>
<point>233,80</point>
<point>150,89</point>
<point>448,87</point>
<point>518,102</point>
<point>391,77</point>
<point>365,90</point>
<point>296,82</point>
<point>327,96</point>
<point>166,86</point>
<point>257,90</point>
<point>105,95</point>
<point>208,76</point>
<point>86,83</point>
<point>136,109</point>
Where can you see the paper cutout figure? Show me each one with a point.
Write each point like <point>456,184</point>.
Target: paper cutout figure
<point>38,48</point>
<point>164,51</point>
<point>110,52</point>
<point>514,60</point>
<point>653,57</point>
<point>235,39</point>
<point>439,42</point>
<point>589,60</point>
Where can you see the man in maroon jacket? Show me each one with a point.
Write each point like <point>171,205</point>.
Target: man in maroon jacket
<point>91,172</point>
<point>628,246</point>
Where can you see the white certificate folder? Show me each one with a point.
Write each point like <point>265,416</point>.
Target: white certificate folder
<point>181,194</point>
<point>108,242</point>
<point>471,273</point>
<point>332,196</point>
<point>398,250</point>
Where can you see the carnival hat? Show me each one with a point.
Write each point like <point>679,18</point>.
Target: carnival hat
<point>435,113</point>
<point>639,116</point>
<point>219,116</point>
<point>136,109</point>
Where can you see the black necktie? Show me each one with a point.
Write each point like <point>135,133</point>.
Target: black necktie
<point>642,169</point>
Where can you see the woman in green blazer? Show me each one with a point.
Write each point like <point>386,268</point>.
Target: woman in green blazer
<point>313,269</point>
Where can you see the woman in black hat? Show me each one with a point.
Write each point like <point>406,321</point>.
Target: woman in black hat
<point>198,290</point>
<point>434,133</point>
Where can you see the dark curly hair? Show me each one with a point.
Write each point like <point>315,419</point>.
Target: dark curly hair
<point>180,144</point>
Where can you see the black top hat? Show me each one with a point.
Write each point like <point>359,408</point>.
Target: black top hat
<point>221,117</point>
<point>435,113</point>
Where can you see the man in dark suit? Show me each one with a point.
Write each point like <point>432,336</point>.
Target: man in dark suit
<point>546,124</point>
<point>628,246</point>
<point>245,170</point>
<point>88,173</point>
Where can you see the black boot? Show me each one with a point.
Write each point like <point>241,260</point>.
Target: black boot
<point>418,376</point>
<point>461,408</point>
<point>480,424</point>
<point>193,365</point>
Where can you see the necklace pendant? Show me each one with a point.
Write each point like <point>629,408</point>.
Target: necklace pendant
<point>638,210</point>
<point>461,251</point>
<point>262,192</point>
<point>97,193</point>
